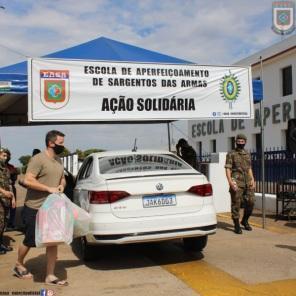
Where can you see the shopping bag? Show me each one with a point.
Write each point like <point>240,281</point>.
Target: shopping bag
<point>54,222</point>
<point>81,221</point>
<point>80,216</point>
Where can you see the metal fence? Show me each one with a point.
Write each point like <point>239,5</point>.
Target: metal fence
<point>279,165</point>
<point>204,158</point>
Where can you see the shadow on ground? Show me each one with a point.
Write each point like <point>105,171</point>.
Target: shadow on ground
<point>225,226</point>
<point>291,224</point>
<point>117,257</point>
<point>293,248</point>
<point>259,215</point>
<point>278,220</point>
<point>37,267</point>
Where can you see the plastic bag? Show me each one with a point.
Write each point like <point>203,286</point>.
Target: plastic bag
<point>59,220</point>
<point>54,222</point>
<point>81,220</point>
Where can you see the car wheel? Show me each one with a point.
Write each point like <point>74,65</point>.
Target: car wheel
<point>87,251</point>
<point>195,243</point>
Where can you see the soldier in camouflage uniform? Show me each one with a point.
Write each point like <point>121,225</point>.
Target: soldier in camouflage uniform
<point>13,177</point>
<point>6,198</point>
<point>241,183</point>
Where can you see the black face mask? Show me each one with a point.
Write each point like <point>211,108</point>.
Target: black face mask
<point>240,146</point>
<point>58,149</point>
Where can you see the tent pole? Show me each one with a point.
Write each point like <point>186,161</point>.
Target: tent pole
<point>169,136</point>
<point>262,151</point>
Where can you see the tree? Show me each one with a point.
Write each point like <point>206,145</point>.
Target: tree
<point>24,160</point>
<point>83,154</point>
<point>90,151</point>
<point>66,152</point>
<point>80,154</point>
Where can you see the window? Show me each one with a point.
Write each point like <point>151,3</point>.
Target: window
<point>88,170</point>
<point>231,143</point>
<point>287,81</point>
<point>85,169</point>
<point>213,146</point>
<point>199,148</point>
<point>134,163</point>
<point>258,142</point>
<point>283,140</point>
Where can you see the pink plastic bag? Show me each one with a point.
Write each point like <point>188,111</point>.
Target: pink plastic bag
<point>59,220</point>
<point>54,222</point>
<point>81,220</point>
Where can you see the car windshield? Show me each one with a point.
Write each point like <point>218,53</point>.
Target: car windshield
<point>140,163</point>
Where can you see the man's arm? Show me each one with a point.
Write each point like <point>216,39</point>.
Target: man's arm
<point>252,185</point>
<point>62,185</point>
<point>7,193</point>
<point>229,179</point>
<point>31,182</point>
<point>178,150</point>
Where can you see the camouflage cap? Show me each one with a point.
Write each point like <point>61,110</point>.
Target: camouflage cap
<point>241,136</point>
<point>2,149</point>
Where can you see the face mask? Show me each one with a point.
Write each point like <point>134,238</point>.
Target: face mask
<point>2,161</point>
<point>240,146</point>
<point>58,149</point>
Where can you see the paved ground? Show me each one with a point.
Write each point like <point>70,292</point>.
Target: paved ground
<point>261,262</point>
<point>121,271</point>
<point>273,224</point>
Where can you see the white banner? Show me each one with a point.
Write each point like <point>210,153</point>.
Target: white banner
<point>71,90</point>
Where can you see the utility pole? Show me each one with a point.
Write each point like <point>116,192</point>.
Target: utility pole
<point>169,136</point>
<point>262,148</point>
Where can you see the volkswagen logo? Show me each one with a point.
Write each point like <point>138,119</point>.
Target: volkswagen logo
<point>159,186</point>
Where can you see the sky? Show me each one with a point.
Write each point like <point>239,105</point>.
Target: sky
<point>218,32</point>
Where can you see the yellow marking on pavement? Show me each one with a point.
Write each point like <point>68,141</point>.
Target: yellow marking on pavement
<point>267,227</point>
<point>208,280</point>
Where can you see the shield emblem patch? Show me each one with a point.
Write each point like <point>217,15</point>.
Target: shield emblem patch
<point>54,86</point>
<point>283,17</point>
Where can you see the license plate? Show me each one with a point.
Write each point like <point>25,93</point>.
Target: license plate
<point>164,200</point>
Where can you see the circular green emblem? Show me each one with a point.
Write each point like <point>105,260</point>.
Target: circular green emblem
<point>230,88</point>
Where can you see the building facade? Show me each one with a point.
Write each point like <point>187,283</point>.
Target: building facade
<point>279,105</point>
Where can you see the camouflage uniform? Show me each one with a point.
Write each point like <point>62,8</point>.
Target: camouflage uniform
<point>13,177</point>
<point>239,162</point>
<point>4,202</point>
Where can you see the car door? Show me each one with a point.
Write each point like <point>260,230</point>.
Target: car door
<point>70,183</point>
<point>84,182</point>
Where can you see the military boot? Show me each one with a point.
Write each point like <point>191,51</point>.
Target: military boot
<point>2,251</point>
<point>237,228</point>
<point>6,248</point>
<point>245,222</point>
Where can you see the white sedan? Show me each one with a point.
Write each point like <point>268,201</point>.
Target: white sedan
<point>144,196</point>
